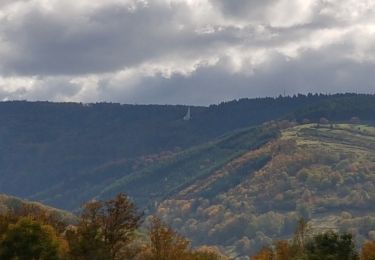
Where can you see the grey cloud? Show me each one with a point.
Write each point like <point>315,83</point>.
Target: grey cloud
<point>106,40</point>
<point>60,46</point>
<point>52,89</point>
<point>311,72</point>
<point>249,9</point>
<point>4,3</point>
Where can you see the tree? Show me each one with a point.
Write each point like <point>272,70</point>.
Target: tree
<point>299,239</point>
<point>325,246</point>
<point>368,251</point>
<point>264,254</point>
<point>105,229</point>
<point>42,215</point>
<point>28,239</point>
<point>283,250</point>
<point>331,245</point>
<point>119,221</point>
<point>86,240</point>
<point>165,244</point>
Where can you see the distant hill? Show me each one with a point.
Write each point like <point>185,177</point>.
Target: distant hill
<point>66,153</point>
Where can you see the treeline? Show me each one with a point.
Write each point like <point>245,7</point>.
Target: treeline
<point>106,230</point>
<point>111,230</point>
<point>338,108</point>
<point>306,245</point>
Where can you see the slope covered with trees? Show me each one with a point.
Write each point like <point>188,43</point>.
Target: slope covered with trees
<point>112,230</point>
<point>23,207</point>
<point>90,149</point>
<point>104,230</point>
<point>238,175</point>
<point>324,173</point>
<point>149,183</point>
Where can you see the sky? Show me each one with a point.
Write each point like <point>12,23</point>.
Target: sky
<point>196,52</point>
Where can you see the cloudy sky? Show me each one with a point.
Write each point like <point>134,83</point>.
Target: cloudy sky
<point>184,51</point>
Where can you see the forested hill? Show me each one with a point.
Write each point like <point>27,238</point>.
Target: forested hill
<point>10,204</point>
<point>324,173</point>
<point>47,146</point>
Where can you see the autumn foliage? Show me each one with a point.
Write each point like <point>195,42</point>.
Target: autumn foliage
<point>307,245</point>
<point>368,251</point>
<point>106,230</point>
<point>112,230</point>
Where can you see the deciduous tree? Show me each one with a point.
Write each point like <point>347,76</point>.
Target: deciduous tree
<point>368,251</point>
<point>105,229</point>
<point>28,239</point>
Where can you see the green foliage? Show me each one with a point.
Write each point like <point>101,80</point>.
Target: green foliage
<point>331,245</point>
<point>339,108</point>
<point>307,244</point>
<point>28,239</point>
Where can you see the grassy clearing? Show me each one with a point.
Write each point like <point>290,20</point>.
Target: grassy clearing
<point>338,134</point>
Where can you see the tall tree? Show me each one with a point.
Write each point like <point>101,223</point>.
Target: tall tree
<point>299,239</point>
<point>106,228</point>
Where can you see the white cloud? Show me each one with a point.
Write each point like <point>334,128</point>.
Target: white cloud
<point>163,51</point>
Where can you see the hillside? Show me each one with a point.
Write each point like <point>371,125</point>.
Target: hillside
<point>325,174</point>
<point>156,177</point>
<point>66,153</point>
<point>20,206</point>
<point>237,175</point>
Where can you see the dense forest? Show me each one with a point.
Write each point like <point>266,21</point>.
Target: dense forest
<point>237,176</point>
<point>105,230</point>
<point>324,173</point>
<point>113,230</point>
<point>45,145</point>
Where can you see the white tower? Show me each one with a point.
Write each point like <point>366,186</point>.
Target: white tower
<point>187,117</point>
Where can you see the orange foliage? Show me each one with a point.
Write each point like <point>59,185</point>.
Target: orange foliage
<point>264,254</point>
<point>368,251</point>
<point>283,251</point>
